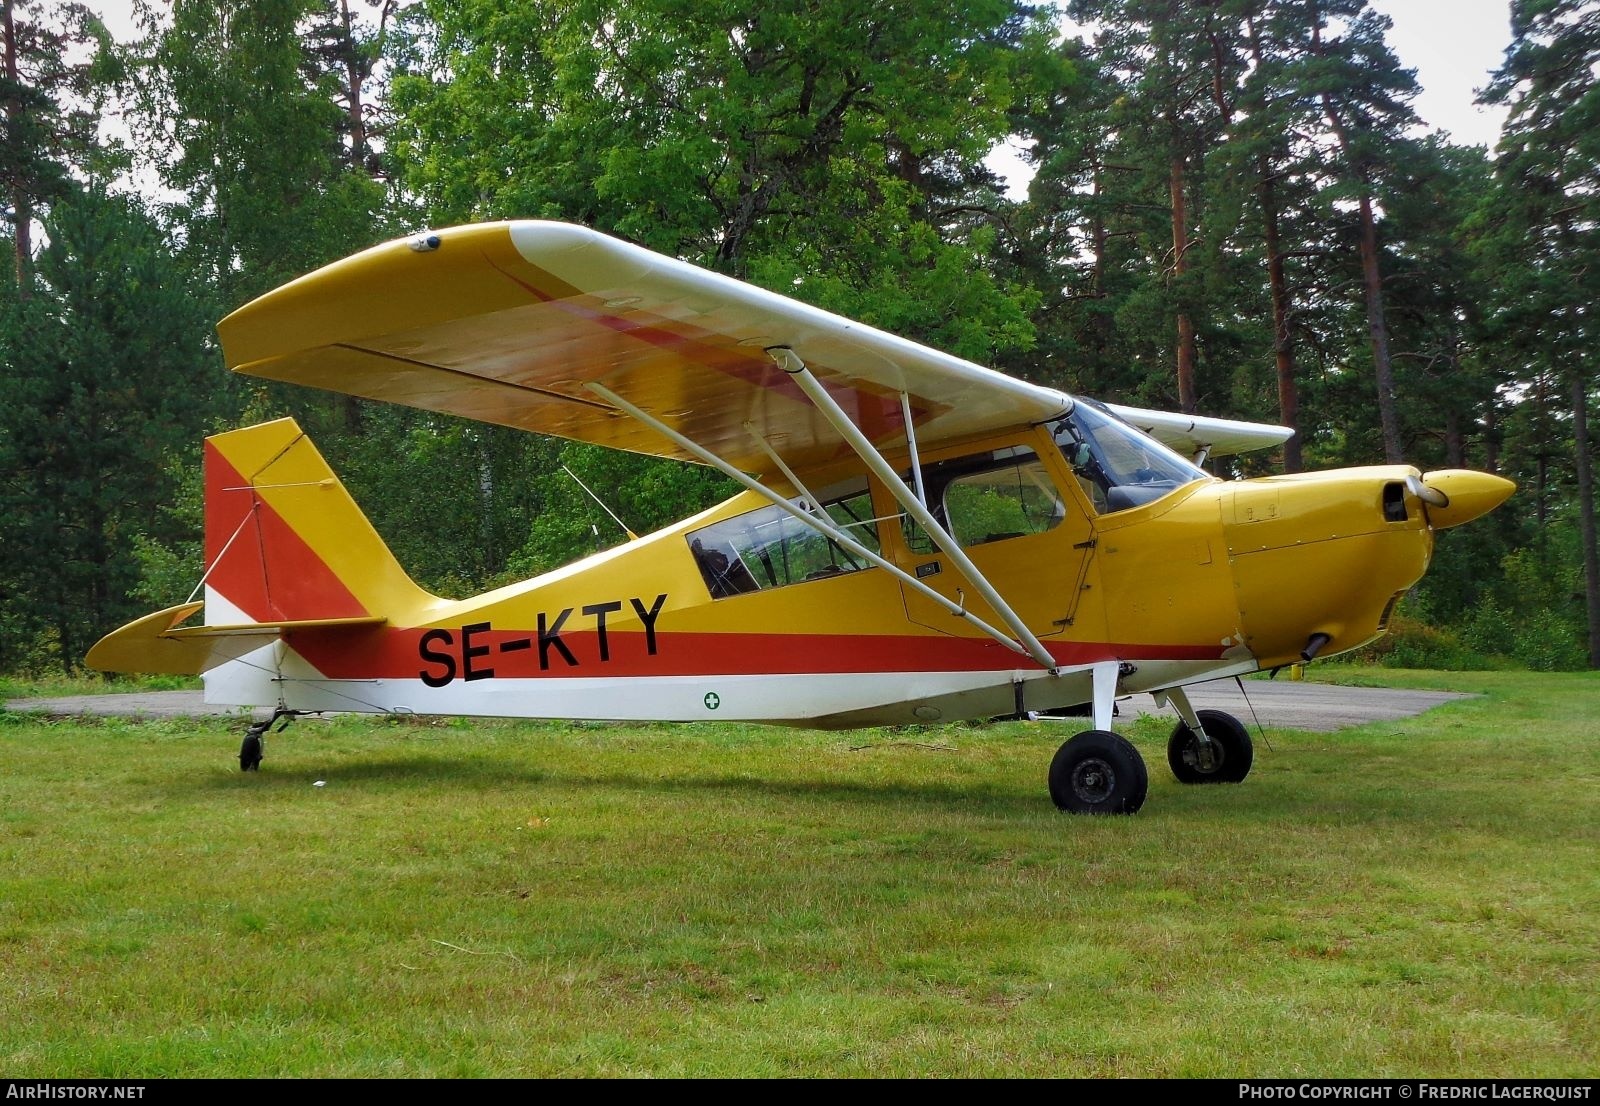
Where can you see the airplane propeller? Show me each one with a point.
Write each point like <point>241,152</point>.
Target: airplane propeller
<point>1433,497</point>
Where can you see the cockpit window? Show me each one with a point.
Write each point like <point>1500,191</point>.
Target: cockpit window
<point>1119,466</point>
<point>768,547</point>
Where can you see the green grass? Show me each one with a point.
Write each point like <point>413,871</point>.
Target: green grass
<point>493,899</point>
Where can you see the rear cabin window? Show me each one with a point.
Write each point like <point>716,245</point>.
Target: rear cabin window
<point>988,497</point>
<point>769,548</point>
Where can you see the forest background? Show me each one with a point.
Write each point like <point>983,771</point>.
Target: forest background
<point>1233,210</point>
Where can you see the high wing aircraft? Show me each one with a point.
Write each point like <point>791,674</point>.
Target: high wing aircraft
<point>919,538</point>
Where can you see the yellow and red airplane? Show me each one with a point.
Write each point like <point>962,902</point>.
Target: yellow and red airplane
<point>920,538</point>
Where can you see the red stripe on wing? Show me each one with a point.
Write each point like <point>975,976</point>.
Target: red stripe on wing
<point>878,416</point>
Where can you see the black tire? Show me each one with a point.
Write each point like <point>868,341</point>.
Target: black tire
<point>250,753</point>
<point>1234,750</point>
<point>1098,772</point>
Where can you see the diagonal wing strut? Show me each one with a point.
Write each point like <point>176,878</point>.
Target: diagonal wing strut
<point>826,529</point>
<point>790,363</point>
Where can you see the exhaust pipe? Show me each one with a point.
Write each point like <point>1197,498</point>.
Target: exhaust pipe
<point>1314,645</point>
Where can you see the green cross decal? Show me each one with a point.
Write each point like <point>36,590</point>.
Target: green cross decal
<point>713,700</point>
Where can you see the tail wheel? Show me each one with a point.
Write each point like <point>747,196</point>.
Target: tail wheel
<point>1098,772</point>
<point>1232,750</point>
<point>250,753</point>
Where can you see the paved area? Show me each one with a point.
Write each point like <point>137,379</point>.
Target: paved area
<point>146,704</point>
<point>1279,702</point>
<point>1300,706</point>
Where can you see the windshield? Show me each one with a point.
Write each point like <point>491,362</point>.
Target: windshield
<point>1119,466</point>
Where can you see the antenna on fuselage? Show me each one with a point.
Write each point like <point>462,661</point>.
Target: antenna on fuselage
<point>631,535</point>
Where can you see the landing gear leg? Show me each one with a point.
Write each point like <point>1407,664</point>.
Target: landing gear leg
<point>1099,772</point>
<point>254,739</point>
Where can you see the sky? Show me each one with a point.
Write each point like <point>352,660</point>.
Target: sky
<point>1454,45</point>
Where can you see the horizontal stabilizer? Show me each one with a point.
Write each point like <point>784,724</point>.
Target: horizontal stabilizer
<point>157,644</point>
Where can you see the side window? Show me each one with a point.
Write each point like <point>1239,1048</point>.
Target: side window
<point>769,548</point>
<point>988,497</point>
<point>1002,503</point>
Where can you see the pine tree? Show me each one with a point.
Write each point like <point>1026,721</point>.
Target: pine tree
<point>235,99</point>
<point>108,376</point>
<point>1073,236</point>
<point>1364,97</point>
<point>45,128</point>
<point>1178,64</point>
<point>346,49</point>
<point>1549,167</point>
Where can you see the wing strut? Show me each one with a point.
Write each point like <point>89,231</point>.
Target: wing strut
<point>790,363</point>
<point>911,444</point>
<point>826,529</point>
<point>812,503</point>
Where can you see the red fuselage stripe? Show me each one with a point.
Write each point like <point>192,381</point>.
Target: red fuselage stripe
<point>443,654</point>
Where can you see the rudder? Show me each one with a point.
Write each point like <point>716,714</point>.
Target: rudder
<point>284,539</point>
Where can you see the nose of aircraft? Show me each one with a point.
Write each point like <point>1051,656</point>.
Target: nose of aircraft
<point>1466,495</point>
<point>1319,559</point>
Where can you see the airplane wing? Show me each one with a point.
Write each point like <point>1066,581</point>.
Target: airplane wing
<point>1189,434</point>
<point>508,323</point>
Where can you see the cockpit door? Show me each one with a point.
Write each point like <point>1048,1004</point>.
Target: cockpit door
<point>1012,513</point>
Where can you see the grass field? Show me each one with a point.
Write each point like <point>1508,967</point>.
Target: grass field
<point>495,899</point>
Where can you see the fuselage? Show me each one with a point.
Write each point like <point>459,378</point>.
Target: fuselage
<point>738,613</point>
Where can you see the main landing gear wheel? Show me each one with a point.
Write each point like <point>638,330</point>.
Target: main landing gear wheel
<point>1098,772</point>
<point>1231,747</point>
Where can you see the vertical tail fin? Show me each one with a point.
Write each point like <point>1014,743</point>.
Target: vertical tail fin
<point>284,540</point>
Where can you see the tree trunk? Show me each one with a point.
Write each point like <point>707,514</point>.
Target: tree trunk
<point>354,79</point>
<point>1180,242</point>
<point>1282,340</point>
<point>1541,470</point>
<point>1372,282</point>
<point>21,202</point>
<point>1591,559</point>
<point>1219,71</point>
<point>1455,443</point>
<point>1371,274</point>
<point>1102,324</point>
<point>1278,289</point>
<point>1455,436</point>
<point>1098,229</point>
